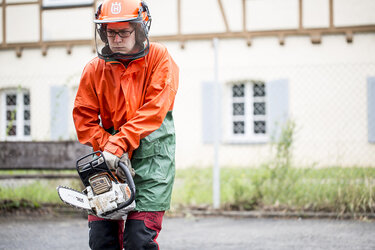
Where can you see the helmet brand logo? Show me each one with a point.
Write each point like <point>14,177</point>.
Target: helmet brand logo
<point>116,8</point>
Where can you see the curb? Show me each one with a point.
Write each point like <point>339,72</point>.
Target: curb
<point>274,214</point>
<point>65,210</point>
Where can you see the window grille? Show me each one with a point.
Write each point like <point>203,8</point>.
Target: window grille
<point>248,111</point>
<point>17,114</point>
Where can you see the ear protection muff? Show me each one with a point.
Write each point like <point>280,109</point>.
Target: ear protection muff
<point>148,23</point>
<point>98,11</point>
<point>142,36</point>
<point>102,30</point>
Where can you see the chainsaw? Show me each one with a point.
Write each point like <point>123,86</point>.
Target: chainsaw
<point>104,195</point>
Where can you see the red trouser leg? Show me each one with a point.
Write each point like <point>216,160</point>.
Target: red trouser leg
<point>105,234</point>
<point>142,229</point>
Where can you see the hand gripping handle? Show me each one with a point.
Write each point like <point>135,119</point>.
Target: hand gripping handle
<point>130,182</point>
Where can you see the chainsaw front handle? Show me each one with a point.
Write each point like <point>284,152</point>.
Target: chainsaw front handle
<point>128,175</point>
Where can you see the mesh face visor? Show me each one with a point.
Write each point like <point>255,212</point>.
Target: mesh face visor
<point>122,43</point>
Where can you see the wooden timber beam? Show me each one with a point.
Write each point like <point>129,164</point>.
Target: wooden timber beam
<point>223,15</point>
<point>19,3</point>
<point>266,33</point>
<point>244,24</point>
<point>300,16</point>
<point>182,43</point>
<point>64,43</point>
<point>4,24</point>
<point>331,25</point>
<point>18,47</point>
<point>315,34</point>
<point>348,31</point>
<point>40,21</point>
<point>244,28</point>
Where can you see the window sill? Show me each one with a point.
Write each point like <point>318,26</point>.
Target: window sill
<point>242,141</point>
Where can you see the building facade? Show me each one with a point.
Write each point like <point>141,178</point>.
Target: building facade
<point>309,62</point>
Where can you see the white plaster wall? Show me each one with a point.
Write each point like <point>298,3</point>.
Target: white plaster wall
<point>201,17</point>
<point>196,17</point>
<point>22,23</point>
<point>233,12</point>
<point>315,13</point>
<point>327,96</point>
<point>38,73</point>
<point>354,12</point>
<point>164,17</point>
<point>68,25</point>
<point>271,14</point>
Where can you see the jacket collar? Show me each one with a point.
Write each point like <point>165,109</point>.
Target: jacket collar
<point>133,66</point>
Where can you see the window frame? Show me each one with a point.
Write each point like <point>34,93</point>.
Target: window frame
<point>20,115</point>
<point>249,117</point>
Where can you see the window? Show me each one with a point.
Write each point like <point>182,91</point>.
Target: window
<point>253,111</point>
<point>248,110</point>
<point>16,115</point>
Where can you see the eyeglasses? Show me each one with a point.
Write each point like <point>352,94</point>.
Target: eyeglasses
<point>121,33</point>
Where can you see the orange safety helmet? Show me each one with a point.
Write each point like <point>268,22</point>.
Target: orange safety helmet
<point>135,12</point>
<point>112,11</point>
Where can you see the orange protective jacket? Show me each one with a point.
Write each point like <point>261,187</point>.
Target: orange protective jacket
<point>133,100</point>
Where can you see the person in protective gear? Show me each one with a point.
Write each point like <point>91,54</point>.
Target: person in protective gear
<point>132,19</point>
<point>123,107</point>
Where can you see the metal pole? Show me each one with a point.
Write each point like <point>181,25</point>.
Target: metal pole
<point>216,168</point>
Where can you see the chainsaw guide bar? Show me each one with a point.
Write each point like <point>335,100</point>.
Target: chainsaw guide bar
<point>73,198</point>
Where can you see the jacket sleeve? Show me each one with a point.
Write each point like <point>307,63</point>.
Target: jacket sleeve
<point>159,99</point>
<point>86,113</point>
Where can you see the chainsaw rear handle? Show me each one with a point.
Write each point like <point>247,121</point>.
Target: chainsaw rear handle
<point>93,162</point>
<point>130,182</point>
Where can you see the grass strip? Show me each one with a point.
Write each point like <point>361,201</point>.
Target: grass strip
<point>339,190</point>
<point>335,189</point>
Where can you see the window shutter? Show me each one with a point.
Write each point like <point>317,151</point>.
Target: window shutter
<point>208,119</point>
<point>278,106</point>
<point>59,112</point>
<point>371,109</point>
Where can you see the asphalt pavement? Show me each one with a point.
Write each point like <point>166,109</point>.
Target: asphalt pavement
<point>43,232</point>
